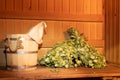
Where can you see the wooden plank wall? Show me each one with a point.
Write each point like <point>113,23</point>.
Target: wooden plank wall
<point>93,31</point>
<point>85,15</point>
<point>112,31</point>
<point>81,10</point>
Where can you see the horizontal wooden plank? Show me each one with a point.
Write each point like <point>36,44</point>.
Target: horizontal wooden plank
<point>50,16</point>
<point>61,73</point>
<point>50,43</point>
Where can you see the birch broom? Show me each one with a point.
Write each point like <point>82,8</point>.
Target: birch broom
<point>74,52</point>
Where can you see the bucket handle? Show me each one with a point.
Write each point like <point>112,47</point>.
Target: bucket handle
<point>18,45</point>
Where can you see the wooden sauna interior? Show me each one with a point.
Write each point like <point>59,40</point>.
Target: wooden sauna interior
<point>99,20</point>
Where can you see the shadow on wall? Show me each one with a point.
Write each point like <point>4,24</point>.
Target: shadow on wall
<point>2,55</point>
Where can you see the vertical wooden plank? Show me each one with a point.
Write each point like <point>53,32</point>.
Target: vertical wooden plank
<point>18,5</point>
<point>93,31</point>
<point>49,37</point>
<point>119,32</point>
<point>58,30</point>
<point>2,5</point>
<point>65,26</point>
<point>99,31</point>
<point>58,6</point>
<point>107,31</point>
<point>100,7</point>
<point>80,6</point>
<point>2,30</point>
<point>87,7</point>
<point>10,28</point>
<point>87,30</point>
<point>26,26</point>
<point>114,32</point>
<point>50,6</point>
<point>10,5</point>
<point>65,7</point>
<point>111,31</point>
<point>73,7</point>
<point>34,4</point>
<point>26,5</point>
<point>108,23</point>
<point>80,26</point>
<point>42,6</point>
<point>18,26</point>
<point>1,25</point>
<point>93,6</point>
<point>50,30</point>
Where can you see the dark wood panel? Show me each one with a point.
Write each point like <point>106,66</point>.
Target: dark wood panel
<point>34,5</point>
<point>27,5</point>
<point>2,5</point>
<point>112,31</point>
<point>10,5</point>
<point>18,5</point>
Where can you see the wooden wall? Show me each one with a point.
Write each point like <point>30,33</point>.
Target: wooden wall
<point>93,31</point>
<point>112,31</point>
<point>85,15</point>
<point>81,10</point>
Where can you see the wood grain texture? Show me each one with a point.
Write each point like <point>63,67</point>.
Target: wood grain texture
<point>50,6</point>
<point>65,7</point>
<point>2,5</point>
<point>18,5</point>
<point>55,30</point>
<point>87,7</point>
<point>94,8</point>
<point>42,6</point>
<point>61,73</point>
<point>112,31</point>
<point>58,6</point>
<point>81,10</point>
<point>80,7</point>
<point>119,32</point>
<point>10,5</point>
<point>73,7</point>
<point>34,5</point>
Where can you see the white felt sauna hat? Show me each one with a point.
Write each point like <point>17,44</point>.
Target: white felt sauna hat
<point>36,33</point>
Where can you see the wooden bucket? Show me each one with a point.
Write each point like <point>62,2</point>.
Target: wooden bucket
<point>21,52</point>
